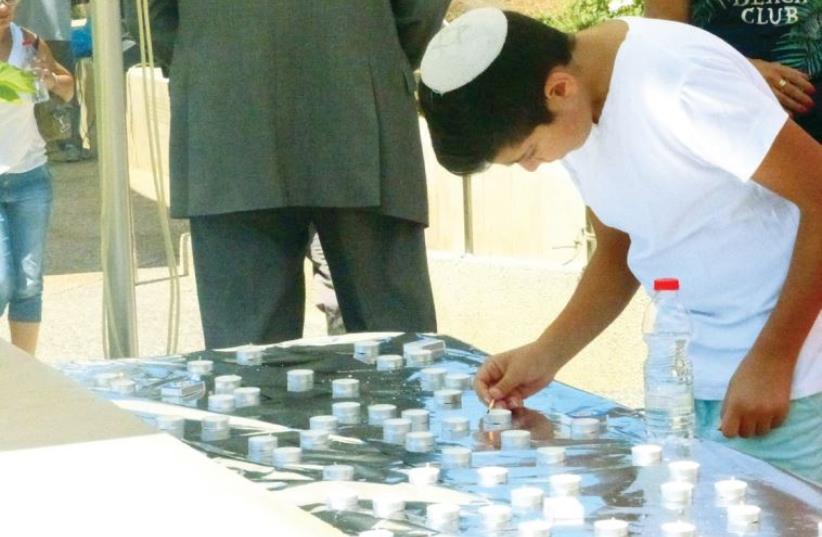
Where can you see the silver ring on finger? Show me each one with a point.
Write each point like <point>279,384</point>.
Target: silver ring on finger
<point>782,83</point>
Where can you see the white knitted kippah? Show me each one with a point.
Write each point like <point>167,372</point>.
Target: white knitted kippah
<point>464,49</point>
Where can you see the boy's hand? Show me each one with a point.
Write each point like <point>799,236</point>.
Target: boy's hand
<point>508,378</point>
<point>759,396</point>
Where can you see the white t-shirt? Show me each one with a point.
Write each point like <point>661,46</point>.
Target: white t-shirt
<point>686,123</point>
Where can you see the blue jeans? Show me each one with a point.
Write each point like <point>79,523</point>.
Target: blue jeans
<point>25,206</point>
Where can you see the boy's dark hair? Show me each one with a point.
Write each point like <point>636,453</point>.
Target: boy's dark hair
<point>503,105</point>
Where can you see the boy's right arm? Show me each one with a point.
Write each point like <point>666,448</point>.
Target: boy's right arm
<point>604,290</point>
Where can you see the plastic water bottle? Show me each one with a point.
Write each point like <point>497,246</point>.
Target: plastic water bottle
<point>33,64</point>
<point>669,384</point>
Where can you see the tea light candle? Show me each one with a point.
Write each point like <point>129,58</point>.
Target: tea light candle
<point>314,439</point>
<point>419,418</point>
<point>246,397</point>
<point>454,427</point>
<point>425,475</point>
<point>381,412</point>
<point>432,378</point>
<point>550,455</point>
<point>345,388</point>
<point>564,511</point>
<point>323,423</point>
<point>342,499</point>
<point>283,456</point>
<point>684,471</point>
<point>491,476</point>
<point>123,386</point>
<point>249,356</point>
<point>515,439</point>
<point>527,499</point>
<point>389,362</point>
<point>743,515</point>
<point>338,472</point>
<point>448,398</point>
<point>646,454</point>
<point>388,506</point>
<point>200,367</point>
<point>495,515</point>
<point>565,484</point>
<point>534,528</point>
<point>418,357</point>
<point>347,413</point>
<point>419,442</point>
<point>227,383</point>
<point>610,528</point>
<point>458,381</point>
<point>300,380</point>
<point>214,428</point>
<point>261,448</point>
<point>678,529</point>
<point>394,430</point>
<point>442,517</point>
<point>730,489</point>
<point>585,428</point>
<point>678,492</point>
<point>366,351</point>
<point>221,402</point>
<point>173,425</point>
<point>456,457</point>
<point>496,419</point>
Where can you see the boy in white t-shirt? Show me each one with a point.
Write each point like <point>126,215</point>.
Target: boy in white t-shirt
<point>691,170</point>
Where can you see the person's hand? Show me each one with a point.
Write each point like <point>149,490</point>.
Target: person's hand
<point>791,86</point>
<point>759,396</point>
<point>510,377</point>
<point>49,78</point>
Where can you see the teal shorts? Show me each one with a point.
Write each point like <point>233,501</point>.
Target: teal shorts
<point>795,446</point>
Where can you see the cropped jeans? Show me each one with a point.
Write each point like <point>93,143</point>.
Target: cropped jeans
<point>25,206</point>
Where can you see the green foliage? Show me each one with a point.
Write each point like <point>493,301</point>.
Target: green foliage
<point>14,82</point>
<point>582,14</point>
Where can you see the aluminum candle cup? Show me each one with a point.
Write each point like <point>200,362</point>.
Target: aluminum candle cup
<point>249,356</point>
<point>261,448</point>
<point>435,346</point>
<point>730,491</point>
<point>534,528</point>
<point>323,423</point>
<point>448,398</point>
<point>442,517</point>
<point>221,402</point>
<point>550,455</point>
<point>123,386</point>
<point>379,413</point>
<point>300,380</point>
<point>432,378</point>
<point>314,439</point>
<point>389,362</point>
<point>515,439</point>
<point>388,506</point>
<point>342,499</point>
<point>173,425</point>
<point>491,476</point>
<point>497,419</point>
<point>677,492</point>
<point>419,357</point>
<point>347,413</point>
<point>419,442</point>
<point>585,428</point>
<point>394,430</point>
<point>458,381</point>
<point>345,388</point>
<point>455,427</point>
<point>418,417</point>
<point>367,351</point>
<point>214,428</point>
<point>227,383</point>
<point>527,499</point>
<point>495,516</point>
<point>248,396</point>
<point>564,511</point>
<point>283,456</point>
<point>678,529</point>
<point>646,454</point>
<point>456,457</point>
<point>610,528</point>
<point>338,472</point>
<point>200,368</point>
<point>684,471</point>
<point>565,484</point>
<point>425,475</point>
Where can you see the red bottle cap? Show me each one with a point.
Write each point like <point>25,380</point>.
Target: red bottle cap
<point>666,284</point>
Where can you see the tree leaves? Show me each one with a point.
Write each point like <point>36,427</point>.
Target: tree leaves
<point>14,82</point>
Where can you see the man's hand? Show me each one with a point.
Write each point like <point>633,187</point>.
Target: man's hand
<point>759,396</point>
<point>510,377</point>
<point>791,87</point>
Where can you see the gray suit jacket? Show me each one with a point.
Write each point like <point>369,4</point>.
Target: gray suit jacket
<point>289,103</point>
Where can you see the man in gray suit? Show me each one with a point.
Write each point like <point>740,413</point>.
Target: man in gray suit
<point>291,112</point>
